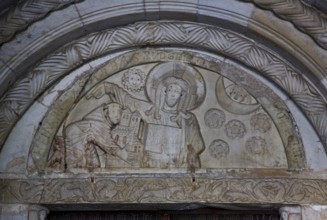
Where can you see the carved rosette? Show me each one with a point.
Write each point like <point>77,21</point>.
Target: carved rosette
<point>235,129</point>
<point>214,118</point>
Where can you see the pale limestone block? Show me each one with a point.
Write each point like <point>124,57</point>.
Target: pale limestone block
<point>314,212</point>
<point>13,157</point>
<point>29,47</point>
<point>14,212</point>
<point>232,11</point>
<point>316,157</point>
<point>101,13</point>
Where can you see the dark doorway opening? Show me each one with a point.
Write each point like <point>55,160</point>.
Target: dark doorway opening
<point>200,214</point>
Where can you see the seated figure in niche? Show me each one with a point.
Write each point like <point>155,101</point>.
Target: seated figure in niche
<point>90,138</point>
<point>172,137</point>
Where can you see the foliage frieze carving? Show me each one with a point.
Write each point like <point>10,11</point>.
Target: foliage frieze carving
<point>18,99</point>
<point>174,189</point>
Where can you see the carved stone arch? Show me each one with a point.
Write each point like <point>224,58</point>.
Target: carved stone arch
<point>272,102</point>
<point>166,187</point>
<point>45,70</point>
<point>85,18</point>
<point>219,40</point>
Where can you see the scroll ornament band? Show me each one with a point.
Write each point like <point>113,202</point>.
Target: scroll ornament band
<point>152,190</point>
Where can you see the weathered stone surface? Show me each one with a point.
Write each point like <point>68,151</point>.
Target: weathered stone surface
<point>230,43</point>
<point>175,189</point>
<point>84,136</point>
<point>318,212</point>
<point>150,124</point>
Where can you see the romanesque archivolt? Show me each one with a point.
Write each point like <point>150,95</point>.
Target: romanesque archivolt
<point>162,116</point>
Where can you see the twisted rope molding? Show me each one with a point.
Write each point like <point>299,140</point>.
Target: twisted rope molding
<point>25,91</point>
<point>304,17</point>
<point>18,17</point>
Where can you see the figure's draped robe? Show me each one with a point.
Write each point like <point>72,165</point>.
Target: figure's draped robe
<point>186,129</point>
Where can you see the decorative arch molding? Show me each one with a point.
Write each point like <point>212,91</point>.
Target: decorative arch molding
<point>304,17</point>
<point>62,55</point>
<point>38,41</point>
<point>20,16</point>
<point>272,187</point>
<point>214,39</point>
<point>269,97</point>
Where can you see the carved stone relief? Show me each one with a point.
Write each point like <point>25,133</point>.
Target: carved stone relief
<point>21,15</point>
<point>146,117</point>
<point>70,109</point>
<point>219,149</point>
<point>304,17</point>
<point>214,118</point>
<point>154,131</point>
<point>229,43</point>
<point>260,122</point>
<point>256,146</point>
<point>235,129</point>
<point>138,189</point>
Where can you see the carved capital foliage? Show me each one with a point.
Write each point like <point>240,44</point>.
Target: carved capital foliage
<point>24,13</point>
<point>164,190</point>
<point>304,17</point>
<point>20,97</point>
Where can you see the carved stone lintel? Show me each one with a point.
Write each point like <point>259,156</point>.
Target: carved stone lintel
<point>173,190</point>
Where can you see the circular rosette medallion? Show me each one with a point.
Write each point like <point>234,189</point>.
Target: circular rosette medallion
<point>218,149</point>
<point>133,80</point>
<point>261,122</point>
<point>256,145</point>
<point>235,129</point>
<point>214,118</point>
